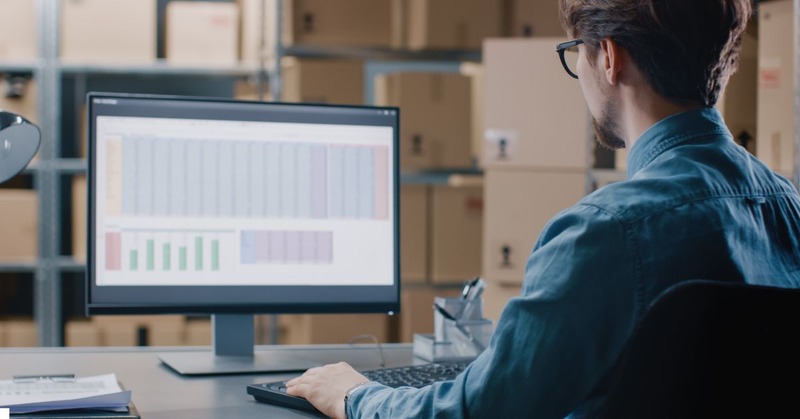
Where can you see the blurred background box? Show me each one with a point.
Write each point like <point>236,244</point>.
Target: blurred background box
<point>339,22</point>
<point>414,220</point>
<point>18,94</point>
<point>323,81</point>
<point>79,217</point>
<point>134,330</point>
<point>302,329</point>
<point>496,297</point>
<point>108,31</point>
<point>416,309</point>
<point>528,18</point>
<point>202,33</point>
<point>19,333</point>
<point>197,332</point>
<point>435,118</point>
<point>738,102</point>
<point>776,86</point>
<point>256,42</point>
<point>81,333</point>
<point>536,115</point>
<point>18,36</point>
<point>518,206</point>
<point>456,233</point>
<point>19,212</point>
<point>447,24</point>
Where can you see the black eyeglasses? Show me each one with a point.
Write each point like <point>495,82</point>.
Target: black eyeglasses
<point>572,60</point>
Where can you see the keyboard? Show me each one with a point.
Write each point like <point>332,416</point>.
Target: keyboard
<point>412,376</point>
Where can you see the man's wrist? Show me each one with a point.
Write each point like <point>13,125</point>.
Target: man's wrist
<point>352,390</point>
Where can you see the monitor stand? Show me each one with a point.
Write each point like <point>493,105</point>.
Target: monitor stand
<point>234,352</point>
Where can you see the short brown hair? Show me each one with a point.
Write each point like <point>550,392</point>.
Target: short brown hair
<point>687,49</point>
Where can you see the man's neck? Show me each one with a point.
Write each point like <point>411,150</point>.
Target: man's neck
<point>642,110</point>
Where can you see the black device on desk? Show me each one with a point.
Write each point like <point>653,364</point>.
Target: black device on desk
<point>235,208</point>
<point>411,376</point>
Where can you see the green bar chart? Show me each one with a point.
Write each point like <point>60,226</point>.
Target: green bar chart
<point>173,251</point>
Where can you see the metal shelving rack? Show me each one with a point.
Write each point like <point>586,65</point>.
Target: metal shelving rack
<point>48,71</point>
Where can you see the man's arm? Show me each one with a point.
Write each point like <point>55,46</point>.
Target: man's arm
<point>551,346</point>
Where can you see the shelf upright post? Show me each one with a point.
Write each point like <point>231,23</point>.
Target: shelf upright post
<point>47,286</point>
<point>277,51</point>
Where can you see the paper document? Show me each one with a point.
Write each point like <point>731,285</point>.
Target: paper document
<point>100,392</point>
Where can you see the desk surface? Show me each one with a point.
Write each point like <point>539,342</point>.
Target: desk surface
<point>159,392</point>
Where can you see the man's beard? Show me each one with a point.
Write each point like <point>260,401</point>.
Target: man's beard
<point>606,128</point>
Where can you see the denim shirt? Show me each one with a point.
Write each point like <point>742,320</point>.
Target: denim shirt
<point>695,206</point>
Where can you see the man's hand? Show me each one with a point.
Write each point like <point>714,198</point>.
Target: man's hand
<point>325,387</point>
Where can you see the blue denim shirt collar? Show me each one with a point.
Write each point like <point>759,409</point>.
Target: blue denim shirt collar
<point>672,131</point>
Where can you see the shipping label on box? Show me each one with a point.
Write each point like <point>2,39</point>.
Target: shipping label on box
<point>518,206</point>
<point>202,33</point>
<point>535,114</point>
<point>108,31</point>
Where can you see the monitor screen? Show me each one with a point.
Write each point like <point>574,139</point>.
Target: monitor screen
<point>204,205</point>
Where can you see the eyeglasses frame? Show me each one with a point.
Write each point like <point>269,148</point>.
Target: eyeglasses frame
<point>562,48</point>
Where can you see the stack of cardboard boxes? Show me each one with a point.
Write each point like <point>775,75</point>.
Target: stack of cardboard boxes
<point>535,155</point>
<point>164,330</point>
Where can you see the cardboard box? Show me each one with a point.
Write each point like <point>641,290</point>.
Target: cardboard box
<point>18,35</point>
<point>416,309</point>
<point>738,102</point>
<point>528,18</point>
<point>249,90</point>
<point>456,233</point>
<point>477,74</point>
<point>19,333</point>
<point>495,298</point>
<point>341,22</point>
<point>301,329</point>
<point>414,230</point>
<point>776,86</point>
<point>81,333</point>
<point>447,24</point>
<point>310,81</point>
<point>79,217</point>
<point>197,332</point>
<point>435,118</point>
<point>24,101</point>
<point>255,41</point>
<point>536,116</point>
<point>202,33</point>
<point>108,31</point>
<point>161,330</point>
<point>19,221</point>
<point>518,206</point>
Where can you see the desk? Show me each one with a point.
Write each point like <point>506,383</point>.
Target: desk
<point>159,392</point>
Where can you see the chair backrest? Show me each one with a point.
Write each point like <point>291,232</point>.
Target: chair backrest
<point>712,349</point>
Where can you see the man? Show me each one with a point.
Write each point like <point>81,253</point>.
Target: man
<point>696,206</point>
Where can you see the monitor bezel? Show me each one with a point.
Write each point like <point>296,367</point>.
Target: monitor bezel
<point>95,308</point>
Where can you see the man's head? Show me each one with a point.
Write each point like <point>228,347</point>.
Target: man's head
<point>685,50</point>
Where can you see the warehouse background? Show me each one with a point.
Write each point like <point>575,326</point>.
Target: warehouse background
<point>486,109</point>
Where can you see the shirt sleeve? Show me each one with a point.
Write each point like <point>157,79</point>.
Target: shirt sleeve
<point>553,344</point>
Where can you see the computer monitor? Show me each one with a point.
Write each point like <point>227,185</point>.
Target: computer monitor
<point>234,208</point>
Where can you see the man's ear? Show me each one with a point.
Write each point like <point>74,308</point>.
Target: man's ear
<point>612,58</point>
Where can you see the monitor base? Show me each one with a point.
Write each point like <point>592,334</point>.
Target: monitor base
<point>206,363</point>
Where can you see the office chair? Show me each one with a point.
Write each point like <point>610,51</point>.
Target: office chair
<point>712,349</point>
